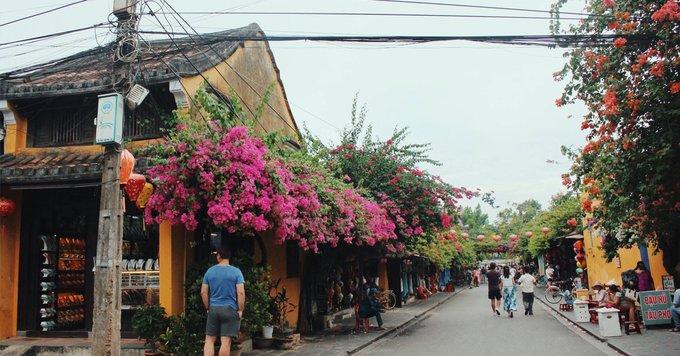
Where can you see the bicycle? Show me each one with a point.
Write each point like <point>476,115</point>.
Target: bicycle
<point>555,293</point>
<point>387,299</point>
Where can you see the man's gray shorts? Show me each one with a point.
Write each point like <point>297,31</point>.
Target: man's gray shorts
<point>222,321</point>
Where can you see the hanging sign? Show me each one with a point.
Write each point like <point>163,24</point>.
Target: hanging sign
<point>668,283</point>
<point>656,307</point>
<point>110,112</point>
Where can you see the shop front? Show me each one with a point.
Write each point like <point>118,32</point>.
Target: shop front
<point>58,240</point>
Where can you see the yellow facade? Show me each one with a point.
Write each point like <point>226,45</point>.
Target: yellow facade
<point>599,270</point>
<point>257,72</point>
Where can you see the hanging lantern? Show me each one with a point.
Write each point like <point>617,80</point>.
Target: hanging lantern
<point>480,237</point>
<point>583,263</point>
<point>545,230</point>
<point>134,186</point>
<point>144,196</point>
<point>455,239</point>
<point>578,245</point>
<point>7,207</point>
<point>528,234</point>
<point>127,164</point>
<point>497,238</point>
<point>465,235</point>
<point>580,257</point>
<point>514,237</point>
<point>459,247</point>
<point>579,265</point>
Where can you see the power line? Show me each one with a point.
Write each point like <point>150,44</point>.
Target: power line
<point>56,34</point>
<point>372,14</point>
<point>527,40</point>
<point>42,13</point>
<point>245,80</point>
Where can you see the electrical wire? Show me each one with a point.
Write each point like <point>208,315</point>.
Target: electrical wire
<point>56,34</point>
<point>483,7</point>
<point>42,13</point>
<point>245,80</point>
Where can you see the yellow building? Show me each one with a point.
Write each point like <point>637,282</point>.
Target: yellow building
<point>599,270</point>
<point>52,170</point>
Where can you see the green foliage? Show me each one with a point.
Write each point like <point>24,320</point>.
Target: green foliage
<point>257,312</point>
<point>149,322</point>
<point>280,307</point>
<point>440,252</point>
<point>629,167</point>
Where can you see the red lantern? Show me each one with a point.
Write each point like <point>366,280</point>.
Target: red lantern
<point>480,237</point>
<point>528,234</point>
<point>578,245</point>
<point>497,238</point>
<point>465,235</point>
<point>580,257</point>
<point>134,186</point>
<point>127,164</point>
<point>514,237</point>
<point>545,230</point>
<point>7,207</point>
<point>459,247</point>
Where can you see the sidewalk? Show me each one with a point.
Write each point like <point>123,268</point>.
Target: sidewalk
<point>657,341</point>
<point>341,340</point>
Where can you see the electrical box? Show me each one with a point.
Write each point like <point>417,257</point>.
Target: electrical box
<point>110,114</point>
<point>124,8</point>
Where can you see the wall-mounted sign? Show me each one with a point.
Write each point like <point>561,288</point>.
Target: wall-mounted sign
<point>656,307</point>
<point>668,283</point>
<point>110,113</point>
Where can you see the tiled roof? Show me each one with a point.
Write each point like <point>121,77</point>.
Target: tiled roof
<point>54,167</point>
<point>90,71</point>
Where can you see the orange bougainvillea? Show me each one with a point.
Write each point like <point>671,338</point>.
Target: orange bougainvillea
<point>630,88</point>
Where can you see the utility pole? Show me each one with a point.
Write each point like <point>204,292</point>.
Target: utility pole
<point>107,272</point>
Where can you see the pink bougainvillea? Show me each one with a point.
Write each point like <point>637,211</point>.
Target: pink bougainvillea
<point>228,176</point>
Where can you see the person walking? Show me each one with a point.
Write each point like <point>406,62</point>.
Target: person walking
<point>475,276</point>
<point>224,297</point>
<point>483,274</point>
<point>527,281</point>
<point>509,289</point>
<point>494,279</point>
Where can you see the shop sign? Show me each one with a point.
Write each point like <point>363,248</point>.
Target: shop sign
<point>668,283</point>
<point>109,119</point>
<point>656,307</point>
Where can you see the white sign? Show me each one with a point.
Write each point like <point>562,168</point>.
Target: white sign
<point>110,112</point>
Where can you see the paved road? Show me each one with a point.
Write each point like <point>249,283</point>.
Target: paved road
<point>465,326</point>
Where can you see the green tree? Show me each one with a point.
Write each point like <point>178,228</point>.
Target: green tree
<point>630,86</point>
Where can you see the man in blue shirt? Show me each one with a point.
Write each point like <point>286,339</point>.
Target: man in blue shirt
<point>224,298</point>
<point>675,310</point>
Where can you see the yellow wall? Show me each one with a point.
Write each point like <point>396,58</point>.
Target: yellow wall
<point>250,72</point>
<point>173,245</point>
<point>9,266</point>
<point>276,257</point>
<point>599,270</point>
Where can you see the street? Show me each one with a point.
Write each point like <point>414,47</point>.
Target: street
<point>464,325</point>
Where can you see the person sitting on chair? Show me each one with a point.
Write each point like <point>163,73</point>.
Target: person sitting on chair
<point>370,306</point>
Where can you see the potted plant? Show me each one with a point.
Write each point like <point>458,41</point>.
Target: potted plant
<point>257,315</point>
<point>149,322</point>
<point>280,307</point>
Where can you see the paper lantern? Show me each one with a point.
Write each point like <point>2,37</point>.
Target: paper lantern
<point>528,234</point>
<point>134,186</point>
<point>579,265</point>
<point>127,164</point>
<point>465,235</point>
<point>545,230</point>
<point>7,207</point>
<point>578,245</point>
<point>580,257</point>
<point>514,237</point>
<point>480,237</point>
<point>497,238</point>
<point>144,196</point>
<point>459,248</point>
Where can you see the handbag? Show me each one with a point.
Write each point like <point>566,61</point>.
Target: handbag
<point>631,294</point>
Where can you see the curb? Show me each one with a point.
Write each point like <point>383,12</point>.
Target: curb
<point>598,337</point>
<point>415,320</point>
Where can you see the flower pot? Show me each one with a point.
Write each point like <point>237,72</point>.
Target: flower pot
<point>262,343</point>
<point>267,331</point>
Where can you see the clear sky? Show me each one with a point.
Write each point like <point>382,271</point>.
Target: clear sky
<point>488,110</point>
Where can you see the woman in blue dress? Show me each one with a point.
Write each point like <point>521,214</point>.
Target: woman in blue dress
<point>509,292</point>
